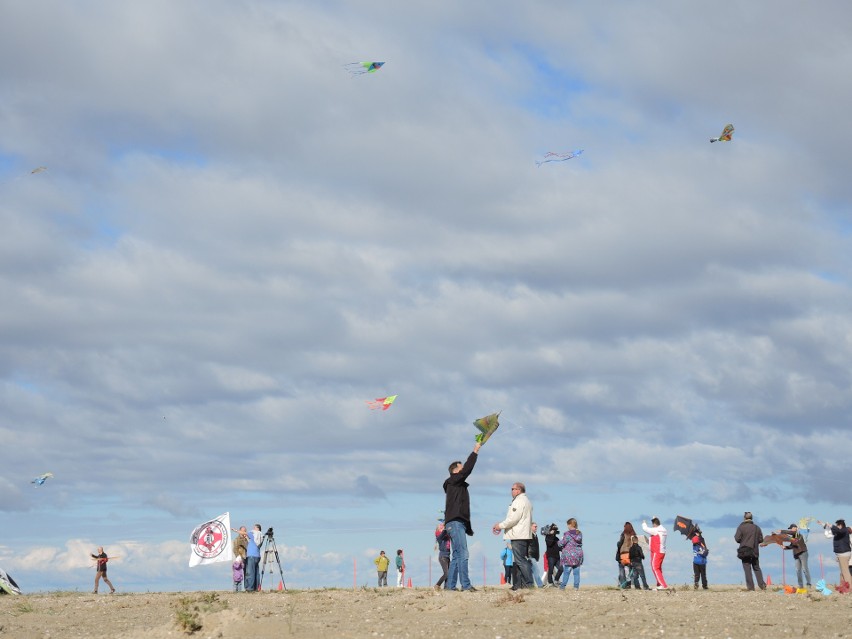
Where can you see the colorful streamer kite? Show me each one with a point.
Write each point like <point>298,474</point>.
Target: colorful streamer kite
<point>360,68</point>
<point>39,481</point>
<point>551,156</point>
<point>727,132</point>
<point>382,402</point>
<point>486,425</point>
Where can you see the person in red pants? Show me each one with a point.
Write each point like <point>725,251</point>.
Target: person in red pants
<point>658,535</point>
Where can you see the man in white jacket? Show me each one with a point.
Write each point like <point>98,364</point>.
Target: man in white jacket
<point>517,528</point>
<point>658,535</point>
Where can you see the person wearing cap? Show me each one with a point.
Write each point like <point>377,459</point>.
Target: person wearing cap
<point>842,548</point>
<point>658,535</point>
<point>748,536</point>
<point>800,555</point>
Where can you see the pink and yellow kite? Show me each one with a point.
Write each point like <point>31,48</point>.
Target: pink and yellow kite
<point>382,402</point>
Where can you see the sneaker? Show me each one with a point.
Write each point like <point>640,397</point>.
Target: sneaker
<point>662,588</point>
<point>471,589</point>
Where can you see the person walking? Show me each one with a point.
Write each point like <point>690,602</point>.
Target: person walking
<point>658,535</point>
<point>748,536</point>
<point>101,570</point>
<point>382,562</point>
<point>517,528</point>
<point>457,516</point>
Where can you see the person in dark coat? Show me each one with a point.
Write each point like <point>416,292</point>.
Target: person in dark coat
<point>748,536</point>
<point>554,565</point>
<point>457,519</point>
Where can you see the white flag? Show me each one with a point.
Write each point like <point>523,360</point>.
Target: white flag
<point>211,542</point>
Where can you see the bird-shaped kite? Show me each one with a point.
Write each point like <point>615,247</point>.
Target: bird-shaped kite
<point>382,402</point>
<point>781,537</point>
<point>727,132</point>
<point>39,481</point>
<point>486,425</point>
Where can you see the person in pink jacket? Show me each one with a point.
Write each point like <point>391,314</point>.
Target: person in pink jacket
<point>658,535</point>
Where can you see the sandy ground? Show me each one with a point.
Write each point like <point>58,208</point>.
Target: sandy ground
<point>492,612</point>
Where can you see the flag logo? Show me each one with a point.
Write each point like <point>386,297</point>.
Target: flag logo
<point>210,541</point>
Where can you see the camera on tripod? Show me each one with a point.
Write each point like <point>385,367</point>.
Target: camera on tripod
<point>269,532</point>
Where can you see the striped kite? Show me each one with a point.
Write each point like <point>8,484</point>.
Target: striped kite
<point>382,402</point>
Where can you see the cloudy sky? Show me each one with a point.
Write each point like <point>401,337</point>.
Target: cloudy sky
<point>236,244</point>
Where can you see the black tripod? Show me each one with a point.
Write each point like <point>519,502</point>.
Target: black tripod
<point>271,549</point>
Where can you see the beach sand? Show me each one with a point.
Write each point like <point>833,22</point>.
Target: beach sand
<point>594,611</point>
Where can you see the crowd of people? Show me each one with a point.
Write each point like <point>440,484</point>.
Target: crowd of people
<point>564,555</point>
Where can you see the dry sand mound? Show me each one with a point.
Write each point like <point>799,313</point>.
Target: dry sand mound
<point>491,612</point>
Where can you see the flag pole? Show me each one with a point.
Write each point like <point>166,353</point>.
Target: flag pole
<point>354,573</point>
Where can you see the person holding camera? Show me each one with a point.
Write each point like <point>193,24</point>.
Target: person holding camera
<point>554,565</point>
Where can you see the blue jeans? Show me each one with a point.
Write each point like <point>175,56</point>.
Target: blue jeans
<point>459,557</point>
<point>536,576</point>
<point>521,567</point>
<point>251,573</point>
<point>568,569</point>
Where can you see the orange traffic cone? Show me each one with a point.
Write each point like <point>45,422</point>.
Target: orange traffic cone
<point>502,579</point>
<point>280,585</point>
<point>409,582</point>
<point>768,580</point>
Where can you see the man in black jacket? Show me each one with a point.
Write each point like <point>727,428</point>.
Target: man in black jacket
<point>748,536</point>
<point>457,519</point>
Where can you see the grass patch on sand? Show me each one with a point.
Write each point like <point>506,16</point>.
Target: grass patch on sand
<point>189,610</point>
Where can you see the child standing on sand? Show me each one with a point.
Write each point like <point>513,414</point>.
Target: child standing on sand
<point>239,573</point>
